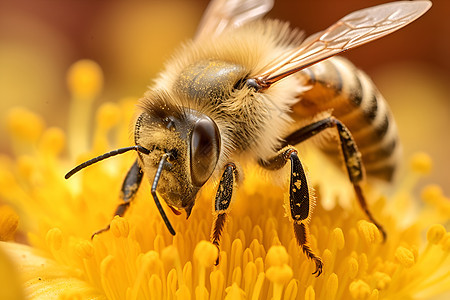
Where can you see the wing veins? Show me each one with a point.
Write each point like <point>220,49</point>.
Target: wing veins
<point>351,31</point>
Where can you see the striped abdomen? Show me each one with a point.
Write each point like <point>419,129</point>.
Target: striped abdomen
<point>337,85</point>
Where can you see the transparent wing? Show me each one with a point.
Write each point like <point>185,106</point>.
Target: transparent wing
<point>221,14</point>
<point>351,31</point>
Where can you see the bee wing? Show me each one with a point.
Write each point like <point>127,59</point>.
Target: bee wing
<point>221,14</point>
<point>353,30</point>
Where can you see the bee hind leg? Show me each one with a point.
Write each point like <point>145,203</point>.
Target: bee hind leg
<point>221,203</point>
<point>129,189</point>
<point>299,200</point>
<point>352,157</point>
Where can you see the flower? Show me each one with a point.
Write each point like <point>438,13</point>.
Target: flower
<point>259,259</point>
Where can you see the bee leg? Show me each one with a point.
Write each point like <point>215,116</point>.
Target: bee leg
<point>352,157</point>
<point>222,202</point>
<point>129,189</point>
<point>299,200</point>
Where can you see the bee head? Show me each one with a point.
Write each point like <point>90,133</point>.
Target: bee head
<point>190,142</point>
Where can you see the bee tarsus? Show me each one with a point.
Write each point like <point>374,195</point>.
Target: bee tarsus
<point>301,232</point>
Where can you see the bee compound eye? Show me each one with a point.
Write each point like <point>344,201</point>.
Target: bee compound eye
<point>205,150</point>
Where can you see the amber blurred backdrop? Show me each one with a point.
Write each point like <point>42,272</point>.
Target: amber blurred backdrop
<point>40,39</point>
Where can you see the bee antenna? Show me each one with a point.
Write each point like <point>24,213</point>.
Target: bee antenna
<point>155,197</point>
<point>104,156</point>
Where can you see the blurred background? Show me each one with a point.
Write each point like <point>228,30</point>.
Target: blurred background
<point>40,39</point>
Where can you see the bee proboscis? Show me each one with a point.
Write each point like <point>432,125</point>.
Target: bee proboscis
<point>239,91</point>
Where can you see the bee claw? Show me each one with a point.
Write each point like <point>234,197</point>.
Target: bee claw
<point>216,263</point>
<point>319,266</point>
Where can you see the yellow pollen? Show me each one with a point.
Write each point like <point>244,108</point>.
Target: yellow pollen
<point>359,289</point>
<point>120,227</point>
<point>24,125</point>
<point>435,233</point>
<point>369,232</point>
<point>421,163</point>
<point>85,79</point>
<point>404,256</point>
<point>71,296</point>
<point>9,221</point>
<point>382,280</point>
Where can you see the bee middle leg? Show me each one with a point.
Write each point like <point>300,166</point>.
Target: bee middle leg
<point>129,189</point>
<point>352,157</point>
<point>222,202</point>
<point>299,199</point>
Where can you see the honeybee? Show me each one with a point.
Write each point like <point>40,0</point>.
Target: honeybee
<point>239,90</point>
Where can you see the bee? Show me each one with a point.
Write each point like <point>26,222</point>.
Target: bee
<point>249,89</point>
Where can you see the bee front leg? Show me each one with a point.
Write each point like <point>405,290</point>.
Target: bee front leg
<point>129,189</point>
<point>222,202</point>
<point>299,200</point>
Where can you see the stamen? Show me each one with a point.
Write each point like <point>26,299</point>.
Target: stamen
<point>369,232</point>
<point>359,289</point>
<point>352,268</point>
<point>404,256</point>
<point>421,163</point>
<point>120,227</point>
<point>435,234</point>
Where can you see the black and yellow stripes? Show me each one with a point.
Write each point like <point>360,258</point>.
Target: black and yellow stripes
<point>338,86</point>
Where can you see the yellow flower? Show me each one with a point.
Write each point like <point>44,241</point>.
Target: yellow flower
<point>259,258</point>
